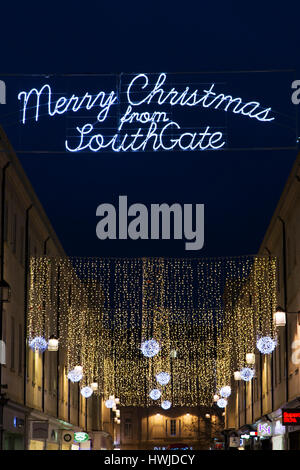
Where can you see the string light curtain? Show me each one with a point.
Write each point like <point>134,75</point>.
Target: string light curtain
<point>204,314</point>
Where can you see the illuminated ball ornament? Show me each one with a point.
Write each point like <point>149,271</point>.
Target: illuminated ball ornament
<point>222,403</point>
<point>163,378</point>
<point>155,394</point>
<point>266,345</point>
<point>76,374</point>
<point>166,405</point>
<point>86,392</point>
<point>150,348</point>
<point>38,344</point>
<point>109,403</point>
<point>247,374</point>
<point>225,392</point>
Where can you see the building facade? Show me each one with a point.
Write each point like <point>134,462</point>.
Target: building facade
<point>153,428</point>
<point>39,405</point>
<point>255,408</point>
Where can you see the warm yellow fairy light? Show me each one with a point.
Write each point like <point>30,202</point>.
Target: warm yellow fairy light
<point>205,314</point>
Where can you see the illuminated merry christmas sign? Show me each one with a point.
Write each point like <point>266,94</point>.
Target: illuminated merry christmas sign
<point>144,118</point>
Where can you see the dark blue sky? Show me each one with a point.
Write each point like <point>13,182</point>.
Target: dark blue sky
<point>239,189</point>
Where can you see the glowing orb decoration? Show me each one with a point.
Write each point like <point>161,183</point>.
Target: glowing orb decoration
<point>266,345</point>
<point>222,403</point>
<point>86,392</point>
<point>247,374</point>
<point>75,375</point>
<point>163,378</point>
<point>155,394</point>
<point>109,403</point>
<point>166,404</point>
<point>150,348</point>
<point>38,344</point>
<point>225,392</point>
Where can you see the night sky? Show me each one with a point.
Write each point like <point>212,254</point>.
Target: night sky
<point>240,189</point>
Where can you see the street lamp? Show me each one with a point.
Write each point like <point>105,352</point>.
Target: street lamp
<point>250,358</point>
<point>280,316</point>
<point>53,343</point>
<point>237,375</point>
<point>94,386</point>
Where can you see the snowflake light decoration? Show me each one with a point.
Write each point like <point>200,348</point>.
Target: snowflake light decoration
<point>150,348</point>
<point>225,391</point>
<point>166,404</point>
<point>86,392</point>
<point>109,403</point>
<point>155,394</point>
<point>247,374</point>
<point>222,403</point>
<point>75,375</point>
<point>38,344</point>
<point>266,345</point>
<point>163,378</point>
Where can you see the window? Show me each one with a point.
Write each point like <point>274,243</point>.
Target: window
<point>128,428</point>
<point>12,344</point>
<point>173,427</point>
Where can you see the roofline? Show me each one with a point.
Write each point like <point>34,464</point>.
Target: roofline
<point>293,178</point>
<point>12,157</point>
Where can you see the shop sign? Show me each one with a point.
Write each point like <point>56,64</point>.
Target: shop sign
<point>40,430</point>
<point>81,436</point>
<point>278,428</point>
<point>291,417</point>
<point>234,441</point>
<point>264,429</point>
<point>67,436</point>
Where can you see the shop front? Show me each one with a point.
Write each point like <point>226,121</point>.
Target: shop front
<point>47,433</point>
<point>14,419</point>
<point>291,421</point>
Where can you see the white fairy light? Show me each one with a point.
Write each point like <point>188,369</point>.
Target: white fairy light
<point>225,391</point>
<point>75,375</point>
<point>166,404</point>
<point>38,344</point>
<point>150,348</point>
<point>222,403</point>
<point>86,392</point>
<point>247,374</point>
<point>163,378</point>
<point>155,394</point>
<point>266,345</point>
<point>109,403</point>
